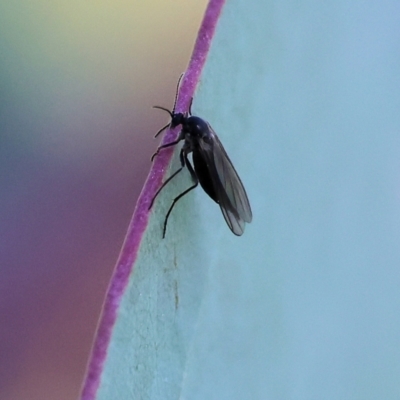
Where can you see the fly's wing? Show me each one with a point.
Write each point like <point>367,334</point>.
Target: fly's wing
<point>228,187</point>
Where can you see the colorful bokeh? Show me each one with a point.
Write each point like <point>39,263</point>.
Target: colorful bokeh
<point>77,82</point>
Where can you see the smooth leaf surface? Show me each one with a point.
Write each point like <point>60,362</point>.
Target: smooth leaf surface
<point>305,99</point>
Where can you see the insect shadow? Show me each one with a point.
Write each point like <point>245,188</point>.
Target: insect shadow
<point>211,167</point>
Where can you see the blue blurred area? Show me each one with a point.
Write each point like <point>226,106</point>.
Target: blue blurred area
<point>77,82</point>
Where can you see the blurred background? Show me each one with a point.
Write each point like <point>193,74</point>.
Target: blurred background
<point>77,82</point>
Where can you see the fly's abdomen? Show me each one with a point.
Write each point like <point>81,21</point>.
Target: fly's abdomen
<point>203,174</point>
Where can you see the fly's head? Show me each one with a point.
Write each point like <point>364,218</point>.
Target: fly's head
<point>177,119</point>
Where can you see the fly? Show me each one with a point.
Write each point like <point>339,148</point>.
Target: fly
<point>211,167</point>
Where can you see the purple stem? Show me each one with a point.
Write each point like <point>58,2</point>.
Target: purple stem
<point>140,217</point>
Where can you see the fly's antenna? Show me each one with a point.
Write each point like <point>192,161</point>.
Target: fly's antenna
<point>177,91</point>
<point>169,123</point>
<point>190,106</point>
<point>171,113</point>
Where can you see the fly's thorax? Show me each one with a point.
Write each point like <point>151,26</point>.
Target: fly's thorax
<point>195,128</point>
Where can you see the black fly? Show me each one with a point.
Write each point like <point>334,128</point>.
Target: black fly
<point>212,168</point>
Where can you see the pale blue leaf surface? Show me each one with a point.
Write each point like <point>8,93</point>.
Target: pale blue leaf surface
<point>305,97</point>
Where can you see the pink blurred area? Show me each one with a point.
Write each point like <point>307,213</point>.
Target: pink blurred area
<point>77,82</point>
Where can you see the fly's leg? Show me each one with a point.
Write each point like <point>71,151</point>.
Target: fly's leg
<point>171,177</point>
<point>164,146</point>
<point>185,160</point>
